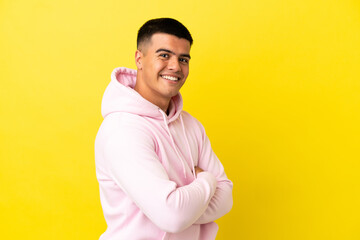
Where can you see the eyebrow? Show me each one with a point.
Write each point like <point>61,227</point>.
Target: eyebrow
<point>168,51</point>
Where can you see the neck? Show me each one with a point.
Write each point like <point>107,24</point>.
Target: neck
<point>161,102</point>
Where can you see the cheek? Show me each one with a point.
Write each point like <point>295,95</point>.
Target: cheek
<point>185,70</point>
<point>156,67</point>
<point>160,65</point>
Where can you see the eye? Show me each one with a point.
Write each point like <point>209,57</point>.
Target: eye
<point>164,55</point>
<point>184,60</point>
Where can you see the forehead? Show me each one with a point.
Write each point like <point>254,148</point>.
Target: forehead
<point>170,42</point>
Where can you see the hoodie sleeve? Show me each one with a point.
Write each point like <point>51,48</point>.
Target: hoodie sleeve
<point>133,165</point>
<point>222,201</point>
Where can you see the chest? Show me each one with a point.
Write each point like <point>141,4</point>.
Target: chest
<point>177,149</point>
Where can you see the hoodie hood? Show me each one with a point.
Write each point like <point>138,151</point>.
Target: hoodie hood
<point>120,96</point>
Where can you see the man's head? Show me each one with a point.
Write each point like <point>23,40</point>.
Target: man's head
<point>162,25</point>
<point>162,60</point>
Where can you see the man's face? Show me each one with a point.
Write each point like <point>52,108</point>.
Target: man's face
<point>164,65</point>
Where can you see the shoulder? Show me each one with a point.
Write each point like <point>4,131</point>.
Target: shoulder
<point>122,120</point>
<point>191,123</point>
<point>188,118</point>
<point>125,126</point>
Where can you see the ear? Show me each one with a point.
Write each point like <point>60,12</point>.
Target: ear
<point>138,59</point>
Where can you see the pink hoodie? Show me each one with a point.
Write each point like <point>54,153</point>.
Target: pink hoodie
<point>145,163</point>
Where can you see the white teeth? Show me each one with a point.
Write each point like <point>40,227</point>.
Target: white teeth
<point>170,78</point>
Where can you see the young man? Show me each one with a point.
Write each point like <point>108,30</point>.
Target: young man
<point>158,176</point>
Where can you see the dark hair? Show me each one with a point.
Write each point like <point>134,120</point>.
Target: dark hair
<point>163,25</point>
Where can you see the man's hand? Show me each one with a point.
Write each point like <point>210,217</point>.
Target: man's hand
<point>198,170</point>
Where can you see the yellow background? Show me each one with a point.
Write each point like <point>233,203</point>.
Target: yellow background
<point>276,84</point>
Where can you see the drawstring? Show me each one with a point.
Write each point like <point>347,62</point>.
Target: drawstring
<point>165,236</point>
<point>188,146</point>
<point>173,143</point>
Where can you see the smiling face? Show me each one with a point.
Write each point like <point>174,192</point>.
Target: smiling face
<point>163,66</point>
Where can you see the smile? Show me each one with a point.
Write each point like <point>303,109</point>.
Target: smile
<point>171,78</point>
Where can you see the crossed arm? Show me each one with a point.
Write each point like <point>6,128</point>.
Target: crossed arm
<point>170,207</point>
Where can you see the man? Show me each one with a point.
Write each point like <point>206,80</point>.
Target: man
<point>158,176</point>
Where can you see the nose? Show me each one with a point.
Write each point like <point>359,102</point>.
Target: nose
<point>174,64</point>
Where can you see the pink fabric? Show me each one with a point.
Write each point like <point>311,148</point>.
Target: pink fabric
<point>144,165</point>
